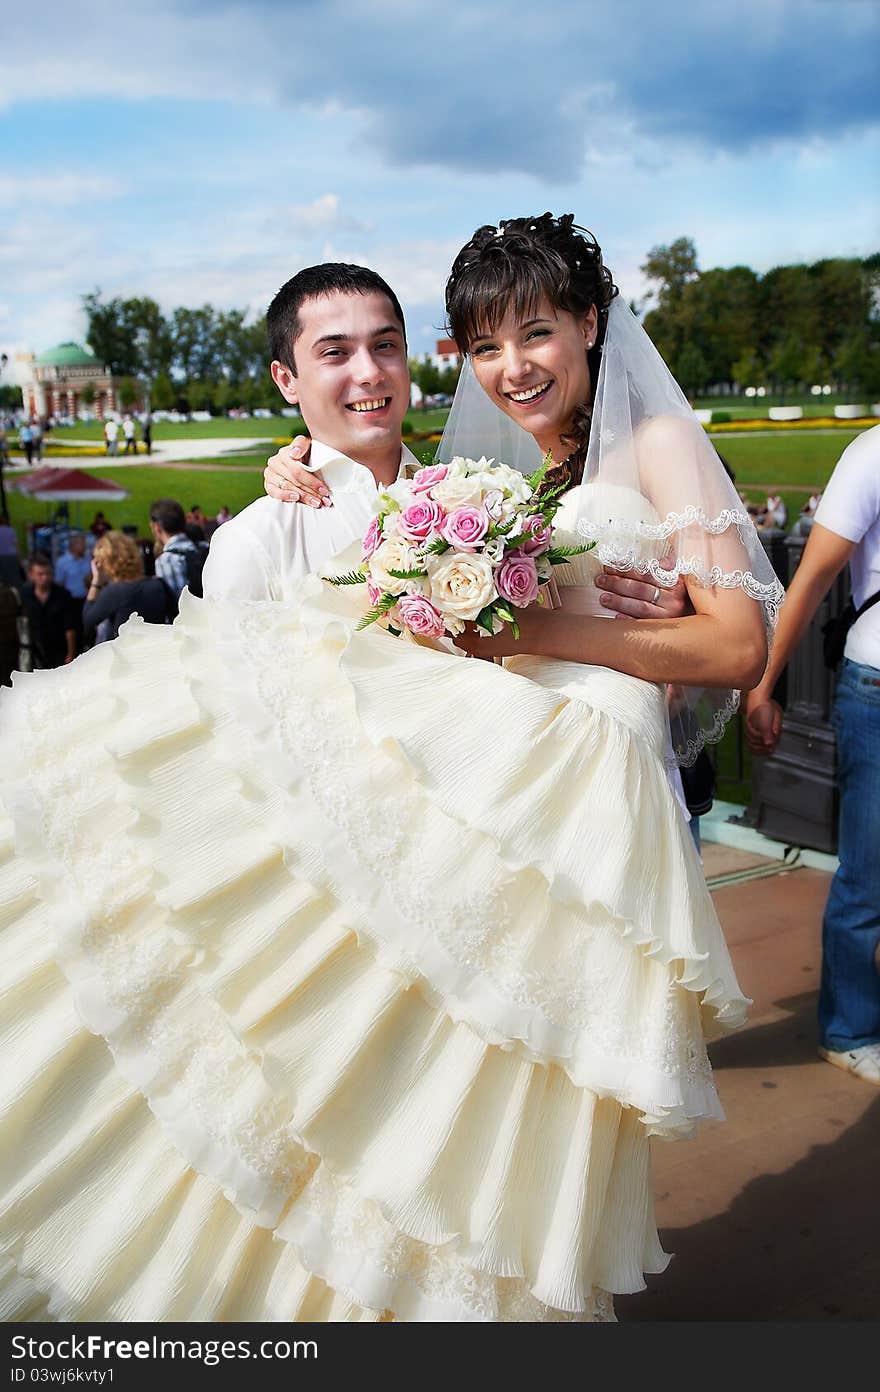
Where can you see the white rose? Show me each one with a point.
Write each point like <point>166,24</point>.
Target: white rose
<point>401,492</point>
<point>462,585</point>
<point>458,491</point>
<point>393,554</point>
<point>511,480</point>
<point>494,550</point>
<point>458,467</point>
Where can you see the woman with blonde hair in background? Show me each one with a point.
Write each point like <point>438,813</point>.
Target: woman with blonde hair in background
<point>118,588</point>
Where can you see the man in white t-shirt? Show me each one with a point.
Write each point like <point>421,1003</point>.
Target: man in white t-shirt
<point>846,529</point>
<point>128,433</point>
<point>111,431</point>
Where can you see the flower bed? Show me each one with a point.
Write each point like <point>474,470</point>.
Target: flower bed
<point>808,423</point>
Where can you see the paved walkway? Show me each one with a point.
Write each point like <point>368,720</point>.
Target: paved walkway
<point>773,1214</point>
<point>164,452</point>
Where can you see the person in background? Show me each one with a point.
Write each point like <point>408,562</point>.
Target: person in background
<point>37,439</point>
<point>128,433</point>
<point>804,525</point>
<point>775,511</point>
<point>26,440</point>
<point>147,432</point>
<point>72,570</point>
<point>111,431</point>
<point>10,564</point>
<point>99,525</point>
<point>181,560</point>
<point>846,529</point>
<point>51,620</point>
<point>223,515</point>
<point>118,588</point>
<point>10,608</point>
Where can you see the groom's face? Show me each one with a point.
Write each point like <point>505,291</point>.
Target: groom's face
<point>352,379</point>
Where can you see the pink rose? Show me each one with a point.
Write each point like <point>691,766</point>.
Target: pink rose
<point>537,536</point>
<point>374,592</point>
<point>516,579</point>
<point>420,519</point>
<point>421,616</point>
<point>372,539</point>
<point>424,479</point>
<point>466,527</point>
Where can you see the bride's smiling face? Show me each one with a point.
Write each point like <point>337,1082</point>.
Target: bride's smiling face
<point>535,368</point>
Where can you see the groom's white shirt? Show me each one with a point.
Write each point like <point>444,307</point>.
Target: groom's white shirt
<point>263,551</point>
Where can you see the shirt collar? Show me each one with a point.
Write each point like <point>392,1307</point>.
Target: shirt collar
<point>345,475</point>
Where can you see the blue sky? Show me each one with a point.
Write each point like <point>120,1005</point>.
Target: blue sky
<point>197,151</point>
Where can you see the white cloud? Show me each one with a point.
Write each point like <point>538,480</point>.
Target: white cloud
<point>61,189</point>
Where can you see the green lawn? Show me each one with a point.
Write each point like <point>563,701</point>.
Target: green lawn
<point>738,409</point>
<point>798,462</point>
<point>278,427</point>
<point>209,489</point>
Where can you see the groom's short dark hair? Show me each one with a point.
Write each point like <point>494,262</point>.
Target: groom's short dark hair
<point>282,318</point>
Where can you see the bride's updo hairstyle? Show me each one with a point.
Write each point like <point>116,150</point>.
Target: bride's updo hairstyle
<point>519,263</point>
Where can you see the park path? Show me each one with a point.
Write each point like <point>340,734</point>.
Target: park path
<point>772,1215</point>
<point>164,452</point>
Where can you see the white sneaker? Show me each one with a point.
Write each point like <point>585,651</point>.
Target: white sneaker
<point>863,1062</point>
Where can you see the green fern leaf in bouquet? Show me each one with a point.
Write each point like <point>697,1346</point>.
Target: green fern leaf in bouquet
<point>378,611</point>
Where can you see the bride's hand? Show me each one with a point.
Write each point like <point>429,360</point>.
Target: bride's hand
<point>286,480</point>
<point>628,593</point>
<point>533,625</point>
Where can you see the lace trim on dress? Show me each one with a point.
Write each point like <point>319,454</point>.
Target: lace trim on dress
<point>673,522</point>
<point>618,546</point>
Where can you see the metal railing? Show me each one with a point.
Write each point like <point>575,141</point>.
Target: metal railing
<point>791,796</point>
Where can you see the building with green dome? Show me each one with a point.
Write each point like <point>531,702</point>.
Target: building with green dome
<point>54,383</point>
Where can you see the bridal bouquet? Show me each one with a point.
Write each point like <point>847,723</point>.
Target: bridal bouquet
<point>468,541</point>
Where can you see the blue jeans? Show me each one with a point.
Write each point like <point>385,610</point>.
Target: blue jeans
<point>849,996</point>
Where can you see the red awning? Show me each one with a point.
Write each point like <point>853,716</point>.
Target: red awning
<point>55,485</point>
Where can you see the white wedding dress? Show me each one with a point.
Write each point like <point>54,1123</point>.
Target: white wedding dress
<point>342,978</point>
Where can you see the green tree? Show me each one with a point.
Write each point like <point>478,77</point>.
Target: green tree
<point>223,396</point>
<point>671,268</point>
<point>449,379</point>
<point>199,394</point>
<point>162,394</point>
<point>786,362</point>
<point>195,352</point>
<point>691,369</point>
<point>88,393</point>
<point>857,362</point>
<point>130,336</point>
<point>129,391</point>
<point>749,370</point>
<point>425,375</point>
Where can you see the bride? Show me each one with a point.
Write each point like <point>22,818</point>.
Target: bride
<point>345,979</point>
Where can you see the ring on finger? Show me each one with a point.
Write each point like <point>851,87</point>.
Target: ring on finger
<point>655,597</point>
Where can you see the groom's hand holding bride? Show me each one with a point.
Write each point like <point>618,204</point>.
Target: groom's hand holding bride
<point>287,479</point>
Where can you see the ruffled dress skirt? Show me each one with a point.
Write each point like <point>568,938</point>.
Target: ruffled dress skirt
<point>342,979</point>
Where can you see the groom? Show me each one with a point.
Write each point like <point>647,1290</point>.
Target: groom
<point>338,345</point>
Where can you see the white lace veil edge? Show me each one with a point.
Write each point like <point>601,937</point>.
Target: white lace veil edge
<point>656,496</point>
